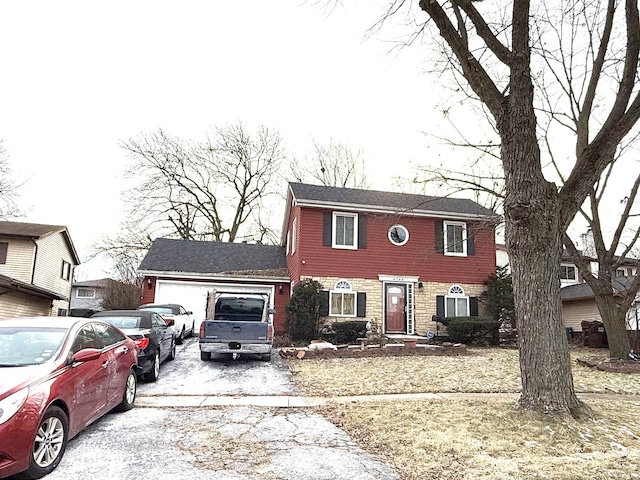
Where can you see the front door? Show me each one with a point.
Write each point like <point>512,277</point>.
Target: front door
<point>396,311</point>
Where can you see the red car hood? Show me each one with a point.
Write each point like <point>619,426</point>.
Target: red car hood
<point>14,378</point>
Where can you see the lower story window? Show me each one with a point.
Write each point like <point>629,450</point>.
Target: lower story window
<point>342,300</point>
<point>456,303</point>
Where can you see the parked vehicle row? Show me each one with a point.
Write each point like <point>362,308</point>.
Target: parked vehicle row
<point>184,321</point>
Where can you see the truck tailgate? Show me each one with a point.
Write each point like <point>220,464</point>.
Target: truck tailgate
<point>226,331</point>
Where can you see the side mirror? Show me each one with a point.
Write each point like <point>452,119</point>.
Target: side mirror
<point>271,311</point>
<point>189,313</point>
<point>86,355</point>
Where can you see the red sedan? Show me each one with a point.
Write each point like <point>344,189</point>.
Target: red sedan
<point>57,375</point>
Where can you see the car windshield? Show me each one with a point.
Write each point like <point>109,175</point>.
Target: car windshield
<point>123,322</point>
<point>21,346</point>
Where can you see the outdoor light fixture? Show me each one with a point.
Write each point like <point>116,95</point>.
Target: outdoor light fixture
<point>280,288</point>
<point>149,282</point>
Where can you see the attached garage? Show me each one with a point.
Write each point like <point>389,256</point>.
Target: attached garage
<point>185,271</point>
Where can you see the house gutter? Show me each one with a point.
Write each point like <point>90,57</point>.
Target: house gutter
<point>200,276</point>
<point>410,212</point>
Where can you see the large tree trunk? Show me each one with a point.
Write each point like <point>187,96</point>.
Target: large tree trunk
<point>614,318</point>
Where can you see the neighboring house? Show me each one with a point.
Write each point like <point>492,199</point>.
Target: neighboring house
<point>87,295</point>
<point>579,304</point>
<point>36,269</point>
<point>184,271</point>
<point>398,258</point>
<point>569,274</point>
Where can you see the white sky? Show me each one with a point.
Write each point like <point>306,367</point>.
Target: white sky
<point>79,76</point>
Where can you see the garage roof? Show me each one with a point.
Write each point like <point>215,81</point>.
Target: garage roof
<point>189,256</point>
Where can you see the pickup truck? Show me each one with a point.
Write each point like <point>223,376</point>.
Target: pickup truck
<point>237,323</point>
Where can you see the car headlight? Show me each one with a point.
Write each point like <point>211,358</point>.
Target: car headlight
<point>10,405</point>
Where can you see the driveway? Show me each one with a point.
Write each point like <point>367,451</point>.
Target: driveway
<point>223,442</point>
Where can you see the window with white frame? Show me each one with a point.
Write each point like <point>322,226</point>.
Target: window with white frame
<point>288,239</point>
<point>342,300</point>
<point>456,303</point>
<point>294,235</point>
<point>455,238</point>
<point>567,272</point>
<point>345,230</point>
<point>86,293</point>
<point>65,274</point>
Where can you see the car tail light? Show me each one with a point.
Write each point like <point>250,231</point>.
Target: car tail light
<point>201,330</point>
<point>270,332</point>
<point>167,318</point>
<point>142,343</point>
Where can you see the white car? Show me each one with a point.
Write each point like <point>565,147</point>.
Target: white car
<point>184,321</point>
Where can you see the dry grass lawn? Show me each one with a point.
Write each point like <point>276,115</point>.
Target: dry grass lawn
<point>478,439</point>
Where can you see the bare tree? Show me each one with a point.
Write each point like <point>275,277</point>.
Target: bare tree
<point>8,188</point>
<point>201,191</point>
<point>499,50</point>
<point>332,165</point>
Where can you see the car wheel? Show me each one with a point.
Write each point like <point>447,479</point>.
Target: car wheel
<point>205,356</point>
<point>129,394</point>
<point>180,337</point>
<point>49,444</point>
<point>193,329</point>
<point>153,374</point>
<point>172,352</point>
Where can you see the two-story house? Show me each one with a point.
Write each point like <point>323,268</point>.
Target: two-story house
<point>398,258</point>
<point>36,269</point>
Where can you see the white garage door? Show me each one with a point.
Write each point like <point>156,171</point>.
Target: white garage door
<point>193,295</point>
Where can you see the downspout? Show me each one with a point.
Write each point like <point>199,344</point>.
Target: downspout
<point>35,257</point>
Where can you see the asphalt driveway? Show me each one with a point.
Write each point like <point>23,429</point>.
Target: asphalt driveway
<point>223,442</point>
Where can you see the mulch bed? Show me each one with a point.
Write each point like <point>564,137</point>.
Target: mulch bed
<point>374,351</point>
<point>610,364</point>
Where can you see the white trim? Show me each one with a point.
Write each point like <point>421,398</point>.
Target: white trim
<point>445,224</point>
<point>85,288</point>
<point>402,227</point>
<point>398,278</point>
<point>294,235</point>
<point>354,246</point>
<point>408,212</point>
<point>210,276</point>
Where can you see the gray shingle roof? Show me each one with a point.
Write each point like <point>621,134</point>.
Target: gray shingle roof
<point>390,201</point>
<point>583,290</point>
<point>190,256</point>
<point>36,230</point>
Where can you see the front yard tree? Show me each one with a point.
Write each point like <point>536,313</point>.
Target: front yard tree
<point>8,188</point>
<point>510,56</point>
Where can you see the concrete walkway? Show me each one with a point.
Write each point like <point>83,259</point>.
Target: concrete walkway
<point>291,401</point>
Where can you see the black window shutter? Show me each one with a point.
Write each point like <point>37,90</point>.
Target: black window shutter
<point>326,228</point>
<point>324,303</point>
<point>440,306</point>
<point>473,306</point>
<point>3,252</point>
<point>362,231</point>
<point>471,243</point>
<point>362,304</point>
<point>439,237</point>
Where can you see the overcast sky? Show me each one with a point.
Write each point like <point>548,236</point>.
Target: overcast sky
<point>79,76</point>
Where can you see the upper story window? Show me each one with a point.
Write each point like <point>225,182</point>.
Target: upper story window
<point>455,238</point>
<point>568,272</point>
<point>294,235</point>
<point>342,300</point>
<point>398,235</point>
<point>4,246</point>
<point>345,230</point>
<point>456,303</point>
<point>86,293</point>
<point>66,270</point>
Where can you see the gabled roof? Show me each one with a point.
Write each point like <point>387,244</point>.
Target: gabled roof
<point>8,284</point>
<point>169,256</point>
<point>582,291</point>
<point>375,200</point>
<point>35,231</point>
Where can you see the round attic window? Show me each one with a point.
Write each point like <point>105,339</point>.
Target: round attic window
<point>398,235</point>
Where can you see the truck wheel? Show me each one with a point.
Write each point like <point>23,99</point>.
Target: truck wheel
<point>266,357</point>
<point>205,356</point>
